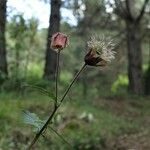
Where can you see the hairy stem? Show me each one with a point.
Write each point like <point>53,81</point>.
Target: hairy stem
<point>69,87</point>
<point>55,109</point>
<point>56,77</point>
<point>42,129</point>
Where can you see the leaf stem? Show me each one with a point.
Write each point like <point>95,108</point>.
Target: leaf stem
<point>55,109</point>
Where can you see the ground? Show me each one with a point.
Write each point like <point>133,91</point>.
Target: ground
<point>100,124</point>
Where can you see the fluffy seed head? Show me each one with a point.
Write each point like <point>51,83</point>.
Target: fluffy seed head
<point>100,51</point>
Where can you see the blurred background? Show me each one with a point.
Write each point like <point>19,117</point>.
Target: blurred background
<point>107,108</point>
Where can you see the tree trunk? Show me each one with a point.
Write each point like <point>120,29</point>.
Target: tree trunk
<point>54,25</point>
<point>147,81</point>
<point>134,57</point>
<point>3,62</point>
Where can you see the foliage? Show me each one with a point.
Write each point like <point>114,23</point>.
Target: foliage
<point>111,120</point>
<point>23,40</point>
<point>88,122</point>
<point>122,81</point>
<point>33,119</point>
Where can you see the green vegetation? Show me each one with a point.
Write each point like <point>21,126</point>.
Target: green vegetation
<point>85,124</point>
<point>107,108</point>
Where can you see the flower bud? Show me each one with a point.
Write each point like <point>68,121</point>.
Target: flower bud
<point>100,51</point>
<point>59,41</point>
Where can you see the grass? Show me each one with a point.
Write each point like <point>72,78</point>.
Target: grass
<point>85,124</point>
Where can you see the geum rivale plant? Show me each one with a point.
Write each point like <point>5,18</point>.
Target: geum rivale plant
<point>99,53</point>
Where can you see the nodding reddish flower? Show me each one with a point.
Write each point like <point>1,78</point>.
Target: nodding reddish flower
<point>100,51</point>
<point>59,41</point>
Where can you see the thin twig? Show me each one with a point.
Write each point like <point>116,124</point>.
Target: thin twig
<point>55,109</point>
<point>142,10</point>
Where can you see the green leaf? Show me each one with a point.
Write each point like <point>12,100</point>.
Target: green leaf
<point>33,119</point>
<point>42,90</point>
<point>61,137</point>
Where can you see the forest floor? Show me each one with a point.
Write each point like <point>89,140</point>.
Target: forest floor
<point>100,124</point>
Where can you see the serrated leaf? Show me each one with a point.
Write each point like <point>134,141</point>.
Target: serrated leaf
<point>60,136</point>
<point>52,96</point>
<point>33,119</point>
<point>42,90</point>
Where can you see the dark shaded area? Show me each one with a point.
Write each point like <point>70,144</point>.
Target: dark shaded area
<point>3,62</point>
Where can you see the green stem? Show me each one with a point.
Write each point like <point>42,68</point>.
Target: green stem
<point>42,129</point>
<point>56,77</point>
<point>55,109</point>
<point>69,87</point>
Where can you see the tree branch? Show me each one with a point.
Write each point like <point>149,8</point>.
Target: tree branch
<point>142,11</point>
<point>122,12</point>
<point>128,9</point>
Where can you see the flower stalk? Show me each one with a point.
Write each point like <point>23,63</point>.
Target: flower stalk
<point>56,77</point>
<point>100,53</point>
<point>55,108</point>
<point>69,87</point>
